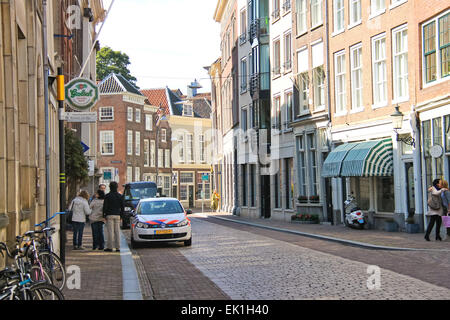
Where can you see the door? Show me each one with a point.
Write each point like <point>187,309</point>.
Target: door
<point>265,196</point>
<point>409,166</point>
<point>191,196</point>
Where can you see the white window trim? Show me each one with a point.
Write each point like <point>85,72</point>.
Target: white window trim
<point>398,99</point>
<point>395,4</point>
<point>130,112</point>
<point>318,24</point>
<point>344,106</point>
<point>361,107</point>
<point>335,20</point>
<point>100,113</point>
<point>304,13</point>
<point>138,143</point>
<point>353,24</point>
<point>380,104</point>
<point>138,112</point>
<point>148,122</point>
<point>102,141</point>
<point>130,143</point>
<point>374,14</point>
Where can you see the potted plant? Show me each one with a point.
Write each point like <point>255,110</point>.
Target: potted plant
<point>302,199</point>
<point>411,225</point>
<point>390,225</point>
<point>314,199</point>
<point>305,218</point>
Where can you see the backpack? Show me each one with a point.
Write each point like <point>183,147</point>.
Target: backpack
<point>434,202</point>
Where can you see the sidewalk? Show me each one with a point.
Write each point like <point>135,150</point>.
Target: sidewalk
<point>375,239</point>
<point>101,273</point>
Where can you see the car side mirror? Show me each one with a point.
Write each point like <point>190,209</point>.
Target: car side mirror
<point>188,211</point>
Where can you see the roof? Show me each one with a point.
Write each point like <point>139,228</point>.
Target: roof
<point>157,97</point>
<point>116,83</point>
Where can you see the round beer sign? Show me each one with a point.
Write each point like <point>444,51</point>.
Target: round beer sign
<point>81,94</point>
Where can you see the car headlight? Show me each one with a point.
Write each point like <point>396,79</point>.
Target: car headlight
<point>142,225</point>
<point>182,223</point>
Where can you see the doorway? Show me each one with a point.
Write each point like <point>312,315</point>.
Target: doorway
<point>191,196</point>
<point>411,202</point>
<point>265,197</point>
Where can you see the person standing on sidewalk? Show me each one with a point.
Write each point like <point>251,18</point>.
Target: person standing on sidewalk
<point>436,211</point>
<point>446,203</point>
<point>80,209</point>
<point>113,208</point>
<point>97,220</point>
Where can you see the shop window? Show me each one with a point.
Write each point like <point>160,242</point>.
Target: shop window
<point>385,194</point>
<point>360,187</point>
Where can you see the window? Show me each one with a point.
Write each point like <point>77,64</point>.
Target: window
<point>301,16</point>
<point>163,135</point>
<point>202,144</point>
<point>146,152</point>
<point>303,81</point>
<point>183,193</point>
<point>186,177</point>
<point>181,148</point>
<point>167,158</point>
<point>379,80</point>
<point>130,114</point>
<point>355,12</point>
<point>160,158</point>
<point>276,9</point>
<point>152,153</point>
<point>400,63</point>
<point>377,7</point>
<point>356,77</point>
<point>244,116</point>
<point>277,182</point>
<point>302,189</point>
<point>252,185</point>
<point>137,174</point>
<point>130,142</point>
<point>316,13</point>
<point>277,112</point>
<point>190,147</point>
<point>243,75</point>
<point>243,26</point>
<point>244,185</point>
<point>148,122</point>
<point>287,52</point>
<point>107,143</point>
<point>138,115</point>
<point>339,65</point>
<point>276,58</point>
<point>187,110</point>
<point>289,103</point>
<point>339,15</point>
<point>385,194</point>
<point>289,184</point>
<point>138,143</point>
<point>436,48</point>
<point>447,133</point>
<point>200,184</point>
<point>319,88</point>
<point>129,174</point>
<point>106,113</point>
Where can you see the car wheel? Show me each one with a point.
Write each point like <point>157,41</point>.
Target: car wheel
<point>188,243</point>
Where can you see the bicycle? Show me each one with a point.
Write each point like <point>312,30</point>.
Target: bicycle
<point>18,285</point>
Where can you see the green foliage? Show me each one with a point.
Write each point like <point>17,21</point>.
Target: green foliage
<point>76,163</point>
<point>306,217</point>
<point>110,61</point>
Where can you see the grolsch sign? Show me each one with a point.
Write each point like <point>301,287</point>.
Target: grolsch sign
<point>81,94</point>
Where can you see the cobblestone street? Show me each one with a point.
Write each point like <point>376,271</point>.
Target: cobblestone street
<point>249,266</point>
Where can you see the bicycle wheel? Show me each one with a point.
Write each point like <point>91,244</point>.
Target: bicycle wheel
<point>38,275</point>
<point>54,268</point>
<point>44,291</point>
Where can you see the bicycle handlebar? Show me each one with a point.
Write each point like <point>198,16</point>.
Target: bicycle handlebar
<point>49,219</point>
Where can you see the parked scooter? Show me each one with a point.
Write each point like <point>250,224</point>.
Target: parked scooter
<point>354,217</point>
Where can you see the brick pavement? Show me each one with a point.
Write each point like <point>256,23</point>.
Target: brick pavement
<point>101,272</point>
<point>373,237</point>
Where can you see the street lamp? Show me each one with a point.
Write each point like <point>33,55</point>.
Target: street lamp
<point>397,123</point>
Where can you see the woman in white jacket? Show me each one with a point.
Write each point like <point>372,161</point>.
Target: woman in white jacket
<point>80,209</point>
<point>435,214</point>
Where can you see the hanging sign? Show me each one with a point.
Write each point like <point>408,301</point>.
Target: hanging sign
<point>81,94</point>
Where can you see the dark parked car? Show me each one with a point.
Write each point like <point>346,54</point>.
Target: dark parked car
<point>133,193</point>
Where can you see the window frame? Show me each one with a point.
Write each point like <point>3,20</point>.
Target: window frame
<point>375,75</point>
<point>340,77</point>
<point>395,55</point>
<point>353,69</point>
<point>102,142</point>
<point>102,117</point>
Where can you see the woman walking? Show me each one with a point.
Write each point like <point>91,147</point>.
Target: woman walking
<point>97,221</point>
<point>113,208</point>
<point>80,209</point>
<point>435,209</point>
<point>446,203</point>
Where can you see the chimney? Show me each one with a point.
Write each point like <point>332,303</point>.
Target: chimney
<point>192,89</point>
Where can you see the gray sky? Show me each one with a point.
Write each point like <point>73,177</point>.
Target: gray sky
<point>168,41</point>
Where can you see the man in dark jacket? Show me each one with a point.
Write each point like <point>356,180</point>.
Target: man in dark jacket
<point>113,208</point>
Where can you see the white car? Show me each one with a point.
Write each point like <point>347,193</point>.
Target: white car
<point>160,219</point>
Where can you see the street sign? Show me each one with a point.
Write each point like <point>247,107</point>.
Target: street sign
<point>205,177</point>
<point>86,117</point>
<point>82,94</point>
<point>85,147</point>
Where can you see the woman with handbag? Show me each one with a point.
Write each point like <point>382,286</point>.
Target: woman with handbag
<point>97,220</point>
<point>435,209</point>
<point>80,209</point>
<point>446,204</point>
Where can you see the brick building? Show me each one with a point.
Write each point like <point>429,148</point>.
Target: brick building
<point>132,146</point>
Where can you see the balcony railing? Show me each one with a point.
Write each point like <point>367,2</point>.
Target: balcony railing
<point>254,83</point>
<point>243,38</point>
<point>259,27</point>
<point>276,14</point>
<point>286,6</point>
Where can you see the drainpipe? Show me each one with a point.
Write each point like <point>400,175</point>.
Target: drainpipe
<point>46,108</point>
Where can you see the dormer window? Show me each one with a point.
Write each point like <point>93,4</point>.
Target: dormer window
<point>187,110</point>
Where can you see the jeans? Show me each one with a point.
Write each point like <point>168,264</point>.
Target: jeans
<point>434,219</point>
<point>97,235</point>
<point>113,231</point>
<point>78,228</point>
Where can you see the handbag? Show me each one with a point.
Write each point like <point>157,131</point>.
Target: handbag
<point>69,214</point>
<point>446,221</point>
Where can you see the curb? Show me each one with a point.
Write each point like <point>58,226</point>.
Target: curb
<point>130,279</point>
<point>328,238</point>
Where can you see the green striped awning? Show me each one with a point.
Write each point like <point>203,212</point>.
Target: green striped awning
<point>333,163</point>
<point>363,159</point>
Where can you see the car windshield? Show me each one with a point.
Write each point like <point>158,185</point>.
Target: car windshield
<point>160,207</point>
<point>140,193</point>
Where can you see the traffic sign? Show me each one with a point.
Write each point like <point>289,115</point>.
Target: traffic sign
<point>87,117</point>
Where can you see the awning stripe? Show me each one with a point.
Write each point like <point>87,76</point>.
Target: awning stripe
<point>362,159</point>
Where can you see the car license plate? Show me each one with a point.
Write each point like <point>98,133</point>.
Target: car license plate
<point>165,231</point>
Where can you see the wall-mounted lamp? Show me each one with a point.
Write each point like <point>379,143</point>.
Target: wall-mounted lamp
<point>397,122</point>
